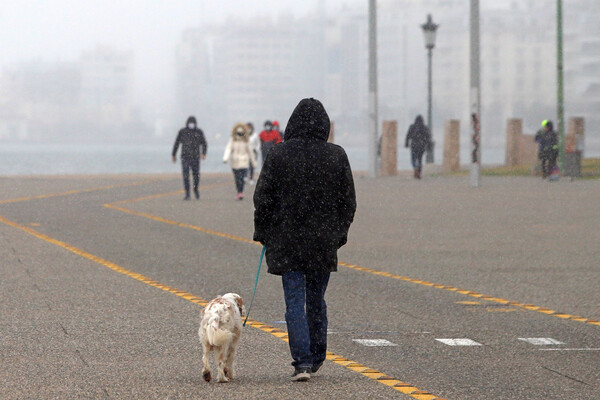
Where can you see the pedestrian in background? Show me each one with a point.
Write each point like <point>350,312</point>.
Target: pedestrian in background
<point>538,139</point>
<point>268,138</point>
<point>240,156</point>
<point>304,204</point>
<point>255,147</point>
<point>418,137</point>
<point>277,129</point>
<point>191,139</point>
<point>548,148</point>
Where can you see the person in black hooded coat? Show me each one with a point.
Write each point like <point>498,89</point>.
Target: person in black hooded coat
<point>304,204</point>
<point>191,139</point>
<point>418,137</point>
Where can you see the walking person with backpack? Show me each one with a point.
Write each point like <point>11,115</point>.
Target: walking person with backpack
<point>548,148</point>
<point>304,204</point>
<point>191,138</point>
<point>418,137</point>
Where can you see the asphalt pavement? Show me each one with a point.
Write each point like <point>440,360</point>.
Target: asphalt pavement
<point>443,291</point>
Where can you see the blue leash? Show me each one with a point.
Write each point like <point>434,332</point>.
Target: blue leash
<point>262,254</point>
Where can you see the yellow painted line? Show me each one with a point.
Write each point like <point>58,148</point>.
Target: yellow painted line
<point>156,196</point>
<point>370,373</point>
<point>470,293</point>
<point>181,224</point>
<point>70,192</point>
<point>503,309</point>
<point>465,292</point>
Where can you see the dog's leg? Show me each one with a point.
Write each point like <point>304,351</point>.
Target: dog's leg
<point>221,360</point>
<point>231,357</point>
<point>206,373</point>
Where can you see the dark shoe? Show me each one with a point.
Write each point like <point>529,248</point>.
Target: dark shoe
<point>301,375</point>
<point>187,197</point>
<point>315,368</point>
<point>197,194</point>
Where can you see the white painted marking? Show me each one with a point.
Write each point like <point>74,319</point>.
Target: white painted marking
<point>541,341</point>
<point>374,342</point>
<point>582,349</point>
<point>459,342</point>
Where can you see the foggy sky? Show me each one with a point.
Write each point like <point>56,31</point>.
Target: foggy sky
<point>59,30</point>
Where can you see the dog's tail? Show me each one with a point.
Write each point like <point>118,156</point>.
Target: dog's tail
<point>215,335</point>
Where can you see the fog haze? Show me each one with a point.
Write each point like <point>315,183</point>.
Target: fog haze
<point>132,71</point>
<point>59,30</point>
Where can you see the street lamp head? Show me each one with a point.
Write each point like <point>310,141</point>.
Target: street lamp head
<point>429,30</point>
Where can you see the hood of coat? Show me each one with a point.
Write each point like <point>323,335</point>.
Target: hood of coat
<point>191,120</point>
<point>308,119</point>
<point>239,127</point>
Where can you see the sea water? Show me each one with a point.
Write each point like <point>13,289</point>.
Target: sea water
<point>59,159</point>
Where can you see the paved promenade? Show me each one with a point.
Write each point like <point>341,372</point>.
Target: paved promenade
<point>443,292</point>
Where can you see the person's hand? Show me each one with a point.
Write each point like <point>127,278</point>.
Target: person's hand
<point>204,156</point>
<point>174,158</point>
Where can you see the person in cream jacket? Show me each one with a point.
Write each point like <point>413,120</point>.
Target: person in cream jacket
<point>240,156</point>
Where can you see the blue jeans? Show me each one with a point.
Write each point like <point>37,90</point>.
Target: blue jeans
<point>238,176</point>
<point>306,316</point>
<point>188,164</point>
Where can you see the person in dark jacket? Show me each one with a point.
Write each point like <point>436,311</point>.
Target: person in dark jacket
<point>418,137</point>
<point>538,137</point>
<point>548,148</point>
<point>304,203</point>
<point>191,139</point>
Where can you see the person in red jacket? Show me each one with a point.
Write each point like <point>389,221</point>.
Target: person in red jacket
<point>269,137</point>
<point>277,128</point>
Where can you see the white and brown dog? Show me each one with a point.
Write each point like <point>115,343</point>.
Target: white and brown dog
<point>220,330</point>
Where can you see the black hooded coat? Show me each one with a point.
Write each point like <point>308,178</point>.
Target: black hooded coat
<point>190,140</point>
<point>304,200</point>
<point>417,136</point>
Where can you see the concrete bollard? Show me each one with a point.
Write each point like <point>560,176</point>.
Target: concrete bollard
<point>575,135</point>
<point>451,162</point>
<point>514,130</point>
<point>528,149</point>
<point>389,149</point>
<point>574,146</point>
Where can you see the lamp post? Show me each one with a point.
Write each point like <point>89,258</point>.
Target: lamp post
<point>560,86</point>
<point>373,115</point>
<point>429,31</point>
<point>475,84</point>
